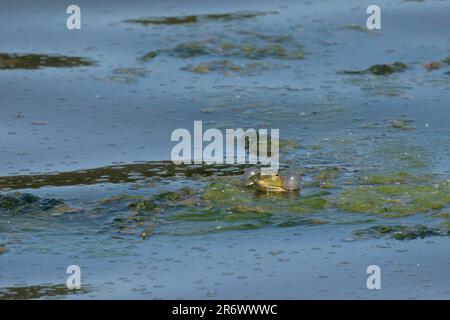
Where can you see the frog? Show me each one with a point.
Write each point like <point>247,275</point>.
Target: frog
<point>273,182</point>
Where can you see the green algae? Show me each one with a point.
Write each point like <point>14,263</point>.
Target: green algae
<point>398,232</point>
<point>380,86</point>
<point>143,214</point>
<point>301,222</point>
<point>164,20</point>
<point>395,200</point>
<point>325,178</point>
<point>288,144</point>
<point>190,49</point>
<point>270,38</point>
<point>327,173</point>
<point>182,197</point>
<point>223,203</point>
<point>25,203</point>
<point>401,124</point>
<point>434,65</point>
<point>150,55</point>
<point>312,202</point>
<point>174,198</point>
<point>17,200</point>
<point>118,174</point>
<point>401,177</point>
<point>229,202</point>
<point>128,75</point>
<point>118,198</point>
<point>380,69</point>
<point>215,66</point>
<point>188,19</point>
<point>251,47</point>
<point>356,27</point>
<point>227,67</point>
<point>273,51</point>
<point>39,291</point>
<point>11,61</point>
<point>387,69</point>
<point>401,155</point>
<point>249,51</point>
<point>143,205</point>
<point>3,249</point>
<point>233,214</point>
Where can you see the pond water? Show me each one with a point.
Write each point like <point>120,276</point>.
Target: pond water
<point>85,174</point>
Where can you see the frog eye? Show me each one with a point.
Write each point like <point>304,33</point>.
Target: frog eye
<point>251,175</point>
<point>291,181</point>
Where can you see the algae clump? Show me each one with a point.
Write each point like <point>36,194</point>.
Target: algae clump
<point>398,232</point>
<point>39,61</point>
<point>188,19</point>
<point>25,203</point>
<point>381,69</point>
<point>395,200</point>
<point>435,65</point>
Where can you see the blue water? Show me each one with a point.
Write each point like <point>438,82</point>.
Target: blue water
<point>89,117</point>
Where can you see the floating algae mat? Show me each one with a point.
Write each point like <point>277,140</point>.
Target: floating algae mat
<point>117,174</point>
<point>198,18</point>
<point>395,200</point>
<point>23,203</point>
<point>221,205</point>
<point>10,61</point>
<point>380,69</point>
<point>228,67</point>
<point>127,75</point>
<point>39,291</point>
<point>399,232</point>
<point>205,200</point>
<point>250,46</point>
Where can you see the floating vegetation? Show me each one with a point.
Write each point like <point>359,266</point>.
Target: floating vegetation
<point>39,291</point>
<point>128,75</point>
<point>224,66</point>
<point>10,61</point>
<point>118,174</point>
<point>222,205</point>
<point>399,154</point>
<point>22,203</point>
<point>150,55</point>
<point>144,214</point>
<point>380,69</point>
<point>395,200</point>
<point>401,124</point>
<point>3,249</point>
<point>270,38</point>
<point>379,86</point>
<point>356,27</point>
<point>242,15</point>
<point>325,177</point>
<point>228,67</point>
<point>251,47</point>
<point>394,178</point>
<point>399,232</point>
<point>435,65</point>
